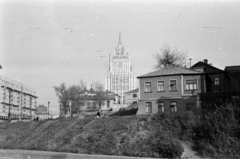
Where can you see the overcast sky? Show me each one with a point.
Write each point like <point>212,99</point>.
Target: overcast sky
<point>44,43</point>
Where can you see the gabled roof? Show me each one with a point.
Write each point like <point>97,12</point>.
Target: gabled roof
<point>132,91</point>
<point>202,64</point>
<point>171,71</point>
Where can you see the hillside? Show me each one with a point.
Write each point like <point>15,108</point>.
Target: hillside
<point>214,133</point>
<point>141,136</point>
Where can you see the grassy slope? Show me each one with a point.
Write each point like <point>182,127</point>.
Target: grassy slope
<point>116,135</point>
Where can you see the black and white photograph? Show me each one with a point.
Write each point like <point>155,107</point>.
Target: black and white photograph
<point>126,79</point>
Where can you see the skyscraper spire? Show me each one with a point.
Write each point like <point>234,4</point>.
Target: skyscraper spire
<point>120,40</point>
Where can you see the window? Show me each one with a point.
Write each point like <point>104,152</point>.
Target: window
<point>173,106</point>
<point>161,107</point>
<point>134,95</point>
<point>191,84</point>
<point>160,86</point>
<point>173,85</point>
<point>108,104</point>
<point>216,81</point>
<point>149,107</point>
<point>147,86</point>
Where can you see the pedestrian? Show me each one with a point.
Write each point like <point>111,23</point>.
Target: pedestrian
<point>98,114</point>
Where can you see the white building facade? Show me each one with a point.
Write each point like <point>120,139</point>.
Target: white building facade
<point>120,77</point>
<point>16,99</point>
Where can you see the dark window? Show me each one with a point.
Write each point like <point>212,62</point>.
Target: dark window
<point>134,95</point>
<point>134,102</point>
<point>149,107</point>
<point>108,104</point>
<point>216,81</point>
<point>191,84</point>
<point>173,106</point>
<point>160,86</point>
<point>147,86</point>
<point>173,85</point>
<point>161,106</point>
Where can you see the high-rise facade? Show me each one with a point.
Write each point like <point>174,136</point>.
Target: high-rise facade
<point>120,77</point>
<point>16,99</point>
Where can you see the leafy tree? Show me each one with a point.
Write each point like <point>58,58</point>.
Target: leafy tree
<point>169,57</point>
<point>71,93</point>
<point>98,87</point>
<point>63,96</point>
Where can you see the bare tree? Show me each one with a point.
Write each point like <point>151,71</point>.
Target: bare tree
<point>169,57</point>
<point>97,86</point>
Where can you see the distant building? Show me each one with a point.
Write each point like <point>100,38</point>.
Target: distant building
<point>131,97</point>
<point>21,99</point>
<point>41,109</point>
<point>42,112</point>
<point>91,100</point>
<point>120,76</point>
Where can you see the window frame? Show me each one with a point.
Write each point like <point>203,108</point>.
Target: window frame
<point>150,91</point>
<point>174,108</point>
<point>191,83</point>
<point>148,106</point>
<point>134,94</point>
<point>162,105</point>
<point>216,82</point>
<point>170,85</point>
<point>158,90</point>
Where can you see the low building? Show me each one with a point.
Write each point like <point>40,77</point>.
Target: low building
<point>218,80</point>
<point>131,97</point>
<point>16,100</point>
<point>173,90</point>
<point>169,90</point>
<point>90,100</point>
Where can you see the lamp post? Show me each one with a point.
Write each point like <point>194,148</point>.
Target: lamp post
<point>48,108</point>
<point>70,106</point>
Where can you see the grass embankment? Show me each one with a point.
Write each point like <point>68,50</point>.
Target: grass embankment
<point>141,136</point>
<point>213,134</point>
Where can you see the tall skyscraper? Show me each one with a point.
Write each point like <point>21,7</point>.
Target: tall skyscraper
<point>120,76</point>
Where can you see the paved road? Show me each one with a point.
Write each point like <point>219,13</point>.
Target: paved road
<point>28,154</point>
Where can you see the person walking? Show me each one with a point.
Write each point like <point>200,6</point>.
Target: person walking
<point>98,114</point>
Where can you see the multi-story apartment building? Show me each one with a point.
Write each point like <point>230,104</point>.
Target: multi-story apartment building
<point>120,77</point>
<point>16,99</point>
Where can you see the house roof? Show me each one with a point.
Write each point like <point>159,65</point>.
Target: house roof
<point>202,64</point>
<point>171,71</point>
<point>132,91</point>
<point>232,68</point>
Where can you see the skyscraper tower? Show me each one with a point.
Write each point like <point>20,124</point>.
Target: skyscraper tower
<point>120,76</point>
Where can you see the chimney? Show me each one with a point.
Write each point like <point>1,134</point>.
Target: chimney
<point>205,61</point>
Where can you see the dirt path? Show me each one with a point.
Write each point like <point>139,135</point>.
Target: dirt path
<point>188,152</point>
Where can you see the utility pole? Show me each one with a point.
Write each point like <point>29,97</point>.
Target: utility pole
<point>21,103</point>
<point>70,107</point>
<point>9,107</point>
<point>30,108</point>
<point>48,108</point>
